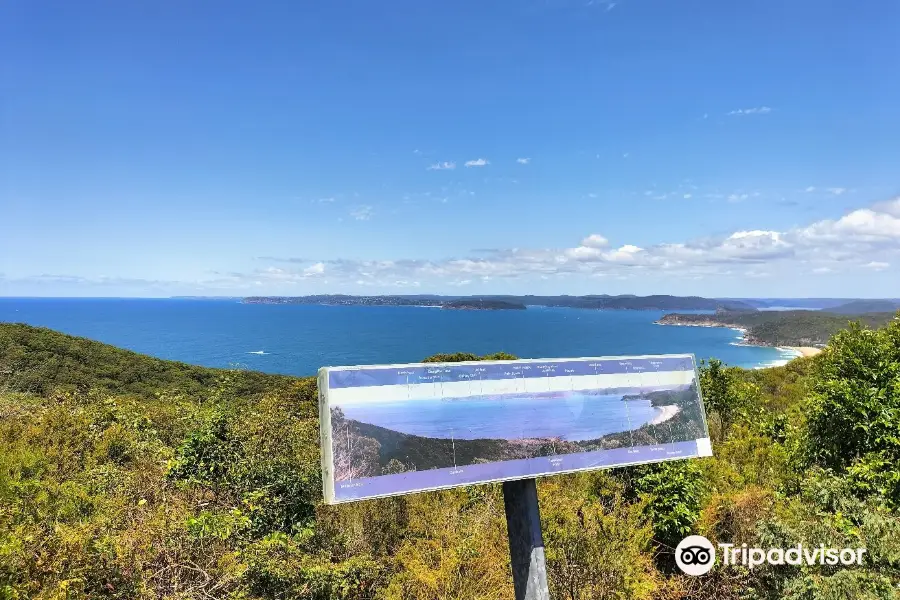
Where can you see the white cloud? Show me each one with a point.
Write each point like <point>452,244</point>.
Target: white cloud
<point>595,240</point>
<point>316,269</point>
<point>362,213</point>
<point>478,162</point>
<point>836,191</point>
<point>862,240</point>
<point>521,161</point>
<point>584,253</point>
<point>324,200</point>
<point>758,110</point>
<point>737,197</point>
<point>442,166</point>
<point>876,265</point>
<point>687,196</point>
<point>625,254</point>
<point>862,225</point>
<point>891,207</point>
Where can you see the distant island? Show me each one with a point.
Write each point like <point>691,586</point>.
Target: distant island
<point>597,302</point>
<point>795,328</point>
<point>481,304</point>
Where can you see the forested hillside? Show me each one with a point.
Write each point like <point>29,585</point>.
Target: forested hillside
<point>123,476</point>
<point>780,328</point>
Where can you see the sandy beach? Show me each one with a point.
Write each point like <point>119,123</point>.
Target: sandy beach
<point>665,413</point>
<point>804,350</point>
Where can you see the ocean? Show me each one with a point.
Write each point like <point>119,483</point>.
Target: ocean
<point>297,340</point>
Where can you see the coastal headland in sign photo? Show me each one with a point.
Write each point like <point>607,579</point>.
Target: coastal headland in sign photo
<point>377,438</point>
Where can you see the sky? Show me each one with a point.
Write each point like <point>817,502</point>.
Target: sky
<point>738,149</point>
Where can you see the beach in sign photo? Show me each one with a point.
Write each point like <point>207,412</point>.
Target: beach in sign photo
<point>373,438</point>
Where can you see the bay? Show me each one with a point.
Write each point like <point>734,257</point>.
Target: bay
<point>297,339</point>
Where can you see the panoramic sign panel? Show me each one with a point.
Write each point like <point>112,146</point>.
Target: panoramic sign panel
<point>396,429</point>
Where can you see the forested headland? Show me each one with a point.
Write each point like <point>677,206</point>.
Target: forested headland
<point>780,328</point>
<point>125,476</point>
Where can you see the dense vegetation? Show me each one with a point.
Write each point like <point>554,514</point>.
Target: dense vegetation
<point>122,476</point>
<point>858,307</point>
<point>780,328</point>
<point>482,304</point>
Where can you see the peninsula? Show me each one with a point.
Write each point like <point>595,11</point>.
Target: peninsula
<point>790,328</point>
<point>481,304</point>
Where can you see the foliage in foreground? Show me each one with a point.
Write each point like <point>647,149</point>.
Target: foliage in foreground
<point>122,476</point>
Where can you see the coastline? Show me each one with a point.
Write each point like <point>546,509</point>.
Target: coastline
<point>665,413</point>
<point>804,351</point>
<point>793,351</point>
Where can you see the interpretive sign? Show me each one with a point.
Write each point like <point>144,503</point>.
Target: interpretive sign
<point>396,429</point>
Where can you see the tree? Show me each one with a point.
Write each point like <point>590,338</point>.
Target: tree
<point>854,419</point>
<point>721,393</point>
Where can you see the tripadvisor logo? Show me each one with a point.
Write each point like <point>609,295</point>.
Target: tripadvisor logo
<point>695,555</point>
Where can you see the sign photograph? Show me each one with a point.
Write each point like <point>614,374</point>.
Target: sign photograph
<point>398,429</point>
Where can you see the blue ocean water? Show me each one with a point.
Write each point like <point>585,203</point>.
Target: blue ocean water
<point>297,340</point>
<point>572,416</point>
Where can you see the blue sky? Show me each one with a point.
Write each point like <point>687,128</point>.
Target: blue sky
<point>536,146</point>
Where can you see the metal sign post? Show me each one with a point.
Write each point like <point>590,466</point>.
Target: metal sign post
<point>526,545</point>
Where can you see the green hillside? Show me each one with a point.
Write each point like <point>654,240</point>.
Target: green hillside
<point>781,328</point>
<point>39,360</point>
<point>858,307</point>
<point>124,476</point>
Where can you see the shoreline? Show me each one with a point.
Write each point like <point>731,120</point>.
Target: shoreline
<point>665,413</point>
<point>803,351</point>
<point>797,351</point>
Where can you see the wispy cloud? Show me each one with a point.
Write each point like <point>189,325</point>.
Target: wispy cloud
<point>362,213</point>
<point>478,162</point>
<point>861,239</point>
<point>315,269</point>
<point>757,110</point>
<point>877,265</point>
<point>327,200</point>
<point>289,259</point>
<point>442,166</point>
<point>521,161</point>
<point>834,191</point>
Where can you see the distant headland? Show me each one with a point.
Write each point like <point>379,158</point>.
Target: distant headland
<point>597,302</point>
<point>796,329</point>
<point>481,304</point>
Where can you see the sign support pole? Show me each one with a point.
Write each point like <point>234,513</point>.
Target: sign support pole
<point>526,545</point>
